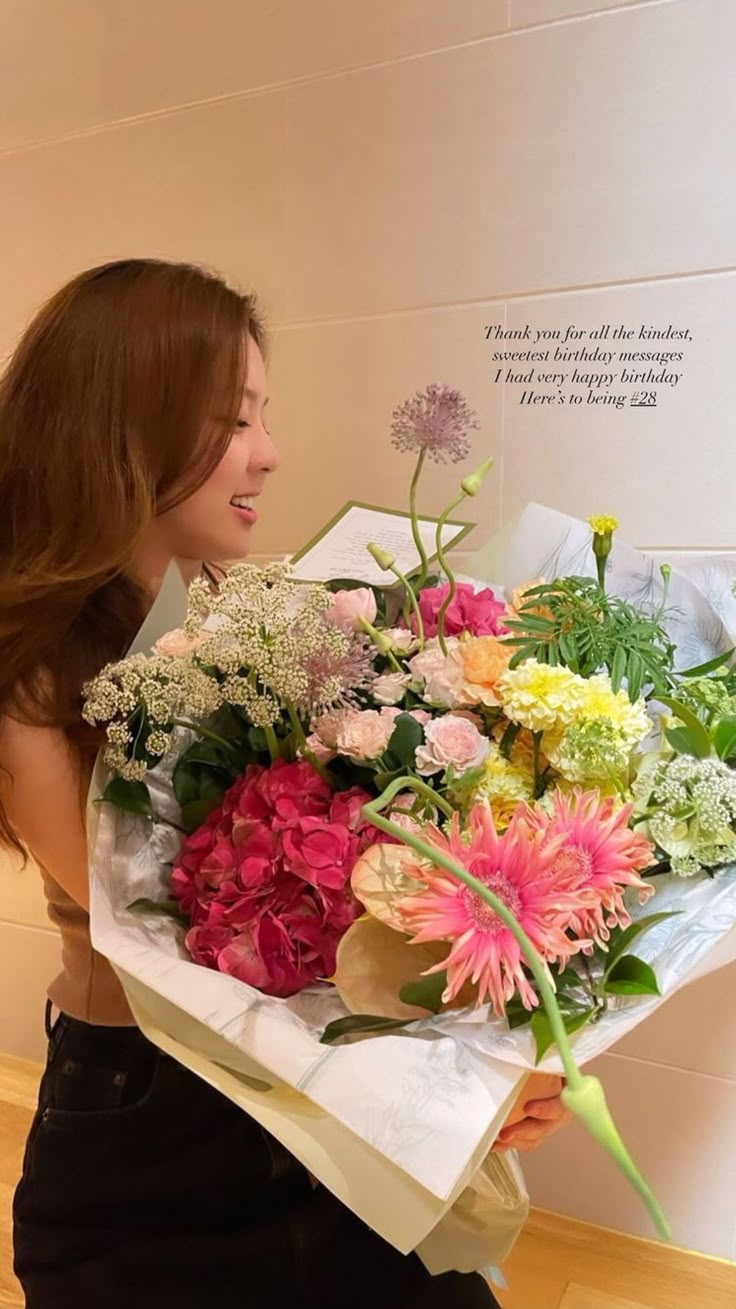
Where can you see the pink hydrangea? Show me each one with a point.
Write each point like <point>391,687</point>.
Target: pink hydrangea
<point>477,612</point>
<point>265,881</point>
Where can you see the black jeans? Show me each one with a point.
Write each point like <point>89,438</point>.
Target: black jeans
<point>144,1187</point>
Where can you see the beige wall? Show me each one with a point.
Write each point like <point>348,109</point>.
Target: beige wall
<point>392,175</point>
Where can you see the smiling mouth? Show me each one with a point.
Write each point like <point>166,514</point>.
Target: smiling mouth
<point>242,501</point>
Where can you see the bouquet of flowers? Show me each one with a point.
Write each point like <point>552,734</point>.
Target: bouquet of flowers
<point>335,818</point>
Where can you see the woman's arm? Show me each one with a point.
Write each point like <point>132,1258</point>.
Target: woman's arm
<point>43,790</point>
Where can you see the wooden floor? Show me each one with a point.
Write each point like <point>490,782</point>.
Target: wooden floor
<point>557,1263</point>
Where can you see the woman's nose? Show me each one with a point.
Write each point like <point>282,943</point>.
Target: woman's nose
<point>265,454</point>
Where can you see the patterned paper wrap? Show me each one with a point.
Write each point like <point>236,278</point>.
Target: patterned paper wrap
<point>399,1125</point>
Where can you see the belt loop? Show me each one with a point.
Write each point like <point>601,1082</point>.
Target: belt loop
<point>50,1027</point>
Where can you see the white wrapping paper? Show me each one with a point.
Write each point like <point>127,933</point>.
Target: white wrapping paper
<point>398,1125</point>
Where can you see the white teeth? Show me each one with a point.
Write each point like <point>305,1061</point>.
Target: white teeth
<point>241,502</point>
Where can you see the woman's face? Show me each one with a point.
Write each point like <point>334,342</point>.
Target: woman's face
<point>215,523</point>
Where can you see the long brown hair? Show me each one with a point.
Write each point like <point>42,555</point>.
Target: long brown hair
<point>117,403</point>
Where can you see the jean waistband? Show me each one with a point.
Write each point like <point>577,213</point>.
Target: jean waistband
<point>126,1039</point>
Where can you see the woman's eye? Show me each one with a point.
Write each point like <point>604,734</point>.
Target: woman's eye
<point>242,422</point>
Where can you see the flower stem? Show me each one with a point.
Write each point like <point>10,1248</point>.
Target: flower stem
<point>666,572</point>
<point>413,601</point>
<point>444,565</point>
<point>301,741</point>
<point>272,743</point>
<point>418,542</point>
<point>204,731</point>
<point>583,1094</point>
<point>538,779</point>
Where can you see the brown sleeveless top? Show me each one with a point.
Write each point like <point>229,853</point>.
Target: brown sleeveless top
<point>87,986</point>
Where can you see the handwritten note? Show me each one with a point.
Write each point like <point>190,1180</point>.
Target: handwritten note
<point>341,549</point>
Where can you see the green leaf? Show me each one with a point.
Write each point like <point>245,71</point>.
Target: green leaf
<point>131,797</point>
<point>631,933</point>
<point>618,667</point>
<point>194,814</point>
<point>170,908</point>
<point>405,738</point>
<point>568,650</point>
<point>517,1015</point>
<point>631,976</point>
<point>508,738</point>
<point>426,992</point>
<point>634,674</point>
<point>542,588</point>
<point>697,733</point>
<point>359,1023</point>
<point>708,667</point>
<point>533,623</point>
<point>542,1031</point>
<point>724,738</point>
<point>568,977</point>
<point>679,737</point>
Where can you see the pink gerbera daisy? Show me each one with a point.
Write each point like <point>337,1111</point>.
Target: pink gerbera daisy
<point>601,853</point>
<point>519,867</point>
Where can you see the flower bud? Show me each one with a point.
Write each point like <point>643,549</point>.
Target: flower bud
<point>381,641</point>
<point>383,558</point>
<point>473,482</point>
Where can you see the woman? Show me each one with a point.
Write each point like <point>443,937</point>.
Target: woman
<point>132,433</point>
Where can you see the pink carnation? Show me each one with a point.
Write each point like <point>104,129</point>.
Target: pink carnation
<point>265,882</point>
<point>452,740</point>
<point>364,734</point>
<point>477,612</point>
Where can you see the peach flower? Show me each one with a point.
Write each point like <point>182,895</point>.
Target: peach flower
<point>517,600</point>
<point>482,661</point>
<point>177,644</point>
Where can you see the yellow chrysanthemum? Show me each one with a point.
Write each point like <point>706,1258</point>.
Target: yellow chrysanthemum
<point>603,523</point>
<point>601,701</point>
<point>504,785</point>
<point>541,696</point>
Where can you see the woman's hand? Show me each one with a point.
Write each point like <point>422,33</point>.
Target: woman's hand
<point>537,1113</point>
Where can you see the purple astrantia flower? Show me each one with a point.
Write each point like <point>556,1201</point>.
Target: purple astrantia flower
<point>435,422</point>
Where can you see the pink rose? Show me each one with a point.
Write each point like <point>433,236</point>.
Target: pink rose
<point>451,741</point>
<point>364,734</point>
<point>477,612</point>
<point>402,639</point>
<point>389,688</point>
<point>438,675</point>
<point>177,644</point>
<point>347,607</point>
